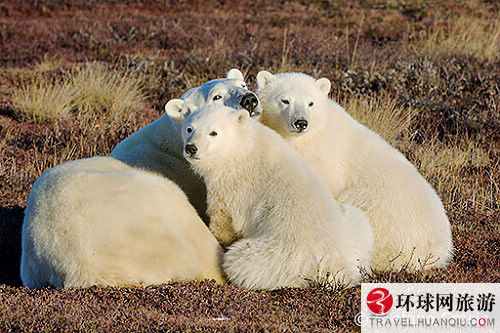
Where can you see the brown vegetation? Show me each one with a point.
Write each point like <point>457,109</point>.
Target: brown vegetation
<point>76,77</point>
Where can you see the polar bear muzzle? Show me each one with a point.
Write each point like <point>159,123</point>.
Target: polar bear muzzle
<point>250,102</point>
<point>300,125</point>
<point>191,149</point>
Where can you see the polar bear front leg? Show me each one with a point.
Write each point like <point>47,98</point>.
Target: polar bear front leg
<point>221,226</point>
<point>255,263</point>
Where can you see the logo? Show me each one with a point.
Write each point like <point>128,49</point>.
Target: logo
<point>379,301</point>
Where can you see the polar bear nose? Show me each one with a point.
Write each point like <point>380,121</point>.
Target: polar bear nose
<point>249,102</point>
<point>300,124</point>
<point>191,149</point>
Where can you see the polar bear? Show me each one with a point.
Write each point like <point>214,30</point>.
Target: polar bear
<point>289,228</point>
<point>158,146</point>
<point>408,219</point>
<point>98,221</point>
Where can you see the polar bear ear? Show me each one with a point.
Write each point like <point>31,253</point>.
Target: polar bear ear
<point>264,78</point>
<point>177,109</point>
<point>242,116</point>
<point>235,73</point>
<point>324,85</point>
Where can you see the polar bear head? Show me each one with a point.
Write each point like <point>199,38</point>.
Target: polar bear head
<point>215,134</point>
<point>292,103</point>
<point>231,91</point>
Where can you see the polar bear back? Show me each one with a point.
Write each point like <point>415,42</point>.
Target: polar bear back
<point>158,148</point>
<point>99,221</point>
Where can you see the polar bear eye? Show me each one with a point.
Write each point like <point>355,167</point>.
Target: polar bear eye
<point>216,97</point>
<point>285,101</point>
<point>189,129</point>
<point>311,103</point>
<point>213,133</point>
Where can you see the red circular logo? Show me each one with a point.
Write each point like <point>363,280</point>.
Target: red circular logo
<point>379,301</point>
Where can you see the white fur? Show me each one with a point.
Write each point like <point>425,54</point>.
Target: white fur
<point>99,221</point>
<point>360,168</point>
<point>158,146</point>
<point>290,229</point>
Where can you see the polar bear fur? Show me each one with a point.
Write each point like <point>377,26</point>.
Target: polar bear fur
<point>99,221</point>
<point>158,146</point>
<point>290,228</point>
<point>408,219</point>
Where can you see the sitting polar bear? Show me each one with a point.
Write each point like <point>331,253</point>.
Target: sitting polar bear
<point>158,146</point>
<point>291,228</point>
<point>99,221</point>
<point>360,168</point>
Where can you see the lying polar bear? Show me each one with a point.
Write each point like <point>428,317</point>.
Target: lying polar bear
<point>158,146</point>
<point>289,229</point>
<point>98,221</point>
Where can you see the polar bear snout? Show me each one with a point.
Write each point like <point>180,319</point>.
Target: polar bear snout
<point>300,125</point>
<point>191,149</point>
<point>250,102</point>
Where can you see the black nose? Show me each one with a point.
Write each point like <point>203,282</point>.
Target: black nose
<point>191,149</point>
<point>249,102</point>
<point>300,124</point>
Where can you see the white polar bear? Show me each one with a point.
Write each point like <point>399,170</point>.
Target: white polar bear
<point>291,228</point>
<point>98,221</point>
<point>360,168</point>
<point>158,146</point>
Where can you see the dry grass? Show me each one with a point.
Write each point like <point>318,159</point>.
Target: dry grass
<point>466,35</point>
<point>40,99</point>
<point>49,64</point>
<point>380,114</point>
<point>90,91</point>
<point>111,93</point>
<point>466,175</point>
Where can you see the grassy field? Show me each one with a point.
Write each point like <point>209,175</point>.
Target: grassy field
<point>76,77</point>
